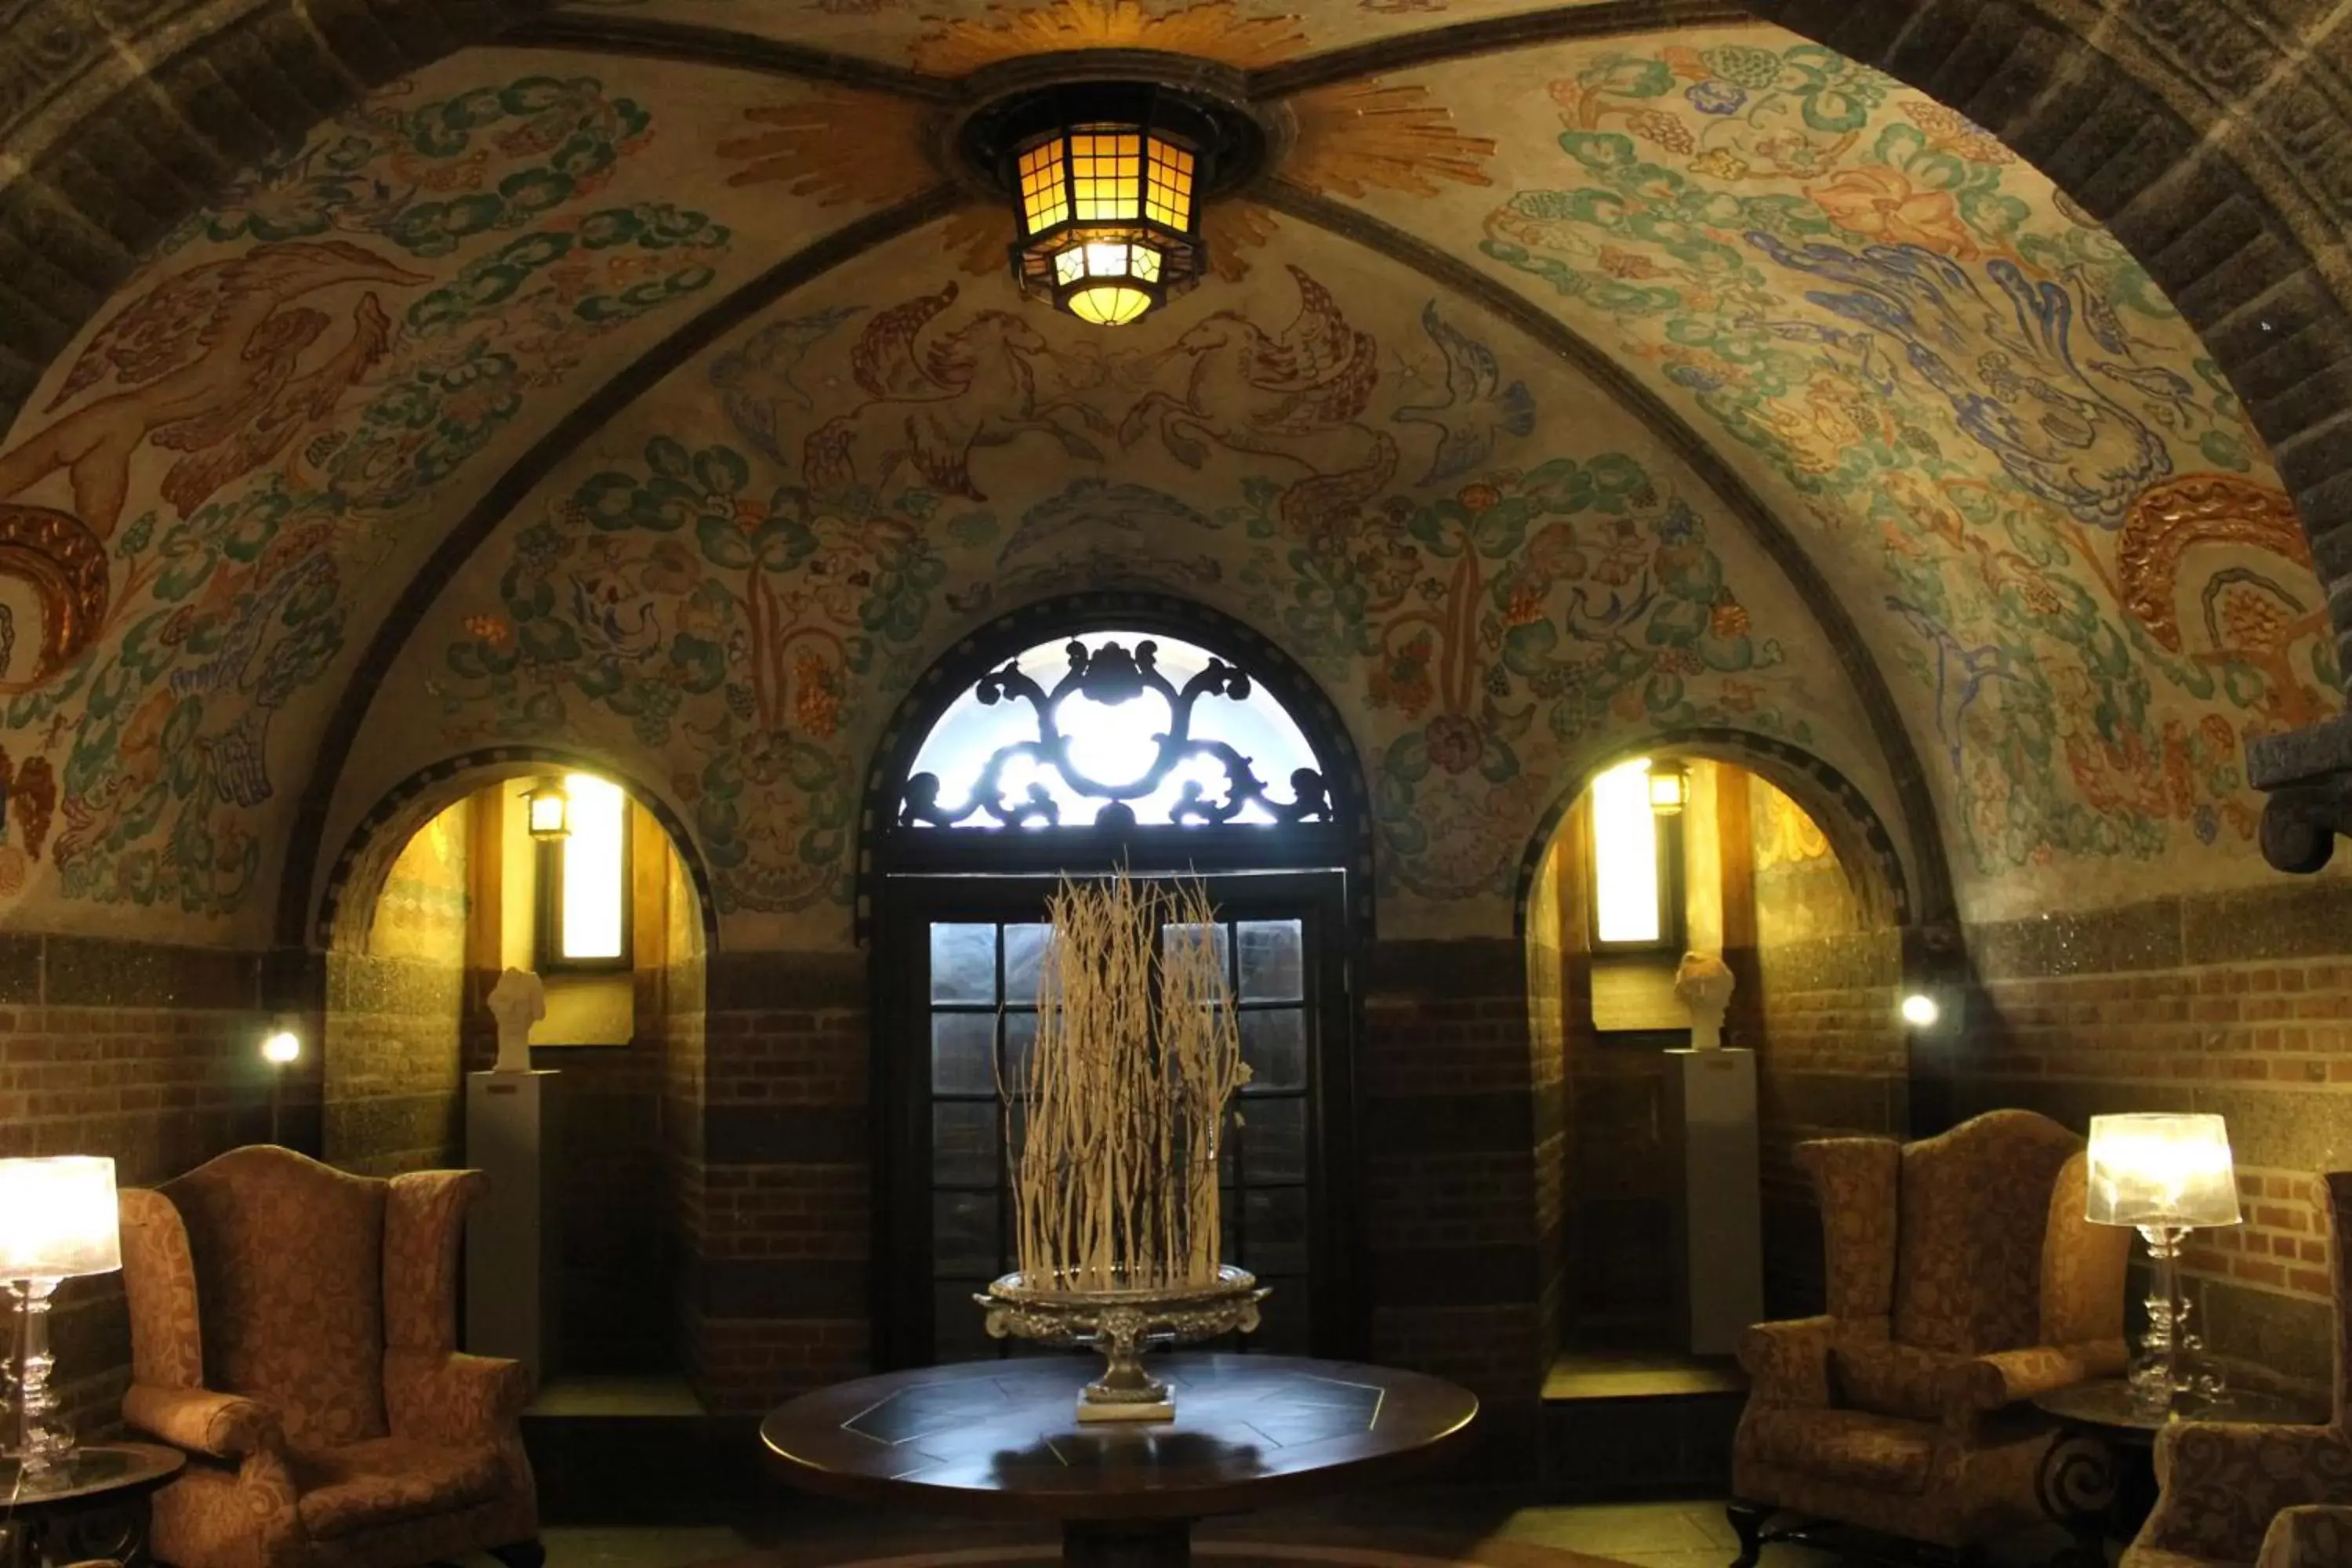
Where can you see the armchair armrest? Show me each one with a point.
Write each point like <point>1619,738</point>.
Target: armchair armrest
<point>224,1426</point>
<point>1788,1362</point>
<point>2223,1483</point>
<point>2313,1535</point>
<point>1988,1383</point>
<point>451,1397</point>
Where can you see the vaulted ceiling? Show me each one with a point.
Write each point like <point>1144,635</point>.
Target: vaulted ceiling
<point>643,385</point>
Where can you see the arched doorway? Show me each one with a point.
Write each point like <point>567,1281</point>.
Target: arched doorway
<point>1742,849</point>
<point>448,882</point>
<point>1070,743</point>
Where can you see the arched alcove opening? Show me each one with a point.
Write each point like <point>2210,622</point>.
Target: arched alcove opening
<point>1711,845</point>
<point>450,883</point>
<point>1073,738</point>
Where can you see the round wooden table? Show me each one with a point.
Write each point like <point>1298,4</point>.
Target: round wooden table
<point>2098,1479</point>
<point>93,1505</point>
<point>1000,1439</point>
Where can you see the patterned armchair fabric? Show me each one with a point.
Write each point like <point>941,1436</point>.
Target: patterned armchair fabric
<point>2246,1495</point>
<point>1962,1278</point>
<point>294,1329</point>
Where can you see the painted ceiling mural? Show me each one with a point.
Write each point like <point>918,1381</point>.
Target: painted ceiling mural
<point>2010,456</point>
<point>950,38</point>
<point>2005,453</point>
<point>216,492</point>
<point>1496,574</point>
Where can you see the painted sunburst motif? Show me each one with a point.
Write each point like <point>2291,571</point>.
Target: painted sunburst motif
<point>1217,30</point>
<point>1363,136</point>
<point>837,146</point>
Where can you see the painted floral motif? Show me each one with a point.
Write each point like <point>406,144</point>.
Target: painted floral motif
<point>731,624</point>
<point>405,281</point>
<point>1842,279</point>
<point>750,611</point>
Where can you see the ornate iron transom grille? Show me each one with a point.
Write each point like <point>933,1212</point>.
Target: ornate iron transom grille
<point>1116,743</point>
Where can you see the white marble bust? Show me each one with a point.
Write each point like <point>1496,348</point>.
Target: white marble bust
<point>1703,983</point>
<point>518,1001</point>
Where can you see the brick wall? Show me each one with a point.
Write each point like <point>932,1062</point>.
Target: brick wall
<point>147,1054</point>
<point>775,1281</point>
<point>2238,1004</point>
<point>1449,1208</point>
<point>1548,1001</point>
<point>392,1056</point>
<point>1832,1058</point>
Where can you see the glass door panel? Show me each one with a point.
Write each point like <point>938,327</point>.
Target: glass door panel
<point>970,1031</point>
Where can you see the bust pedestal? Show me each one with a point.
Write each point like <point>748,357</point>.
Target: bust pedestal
<point>513,1135</point>
<point>1720,1255</point>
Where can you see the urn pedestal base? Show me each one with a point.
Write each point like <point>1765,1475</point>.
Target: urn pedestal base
<point>1121,1324</point>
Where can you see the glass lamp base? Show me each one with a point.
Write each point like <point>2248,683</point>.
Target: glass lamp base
<point>35,1438</point>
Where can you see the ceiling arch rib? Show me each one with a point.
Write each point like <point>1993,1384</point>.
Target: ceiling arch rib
<point>2011,457</point>
<point>1271,41</point>
<point>515,485</point>
<point>1933,903</point>
<point>410,301</point>
<point>1503,578</point>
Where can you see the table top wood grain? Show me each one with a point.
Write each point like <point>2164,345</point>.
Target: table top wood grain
<point>1001,1438</point>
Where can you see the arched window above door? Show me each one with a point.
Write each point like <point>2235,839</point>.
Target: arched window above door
<point>1111,730</point>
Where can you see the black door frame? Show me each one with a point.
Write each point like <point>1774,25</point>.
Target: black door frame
<point>894,861</point>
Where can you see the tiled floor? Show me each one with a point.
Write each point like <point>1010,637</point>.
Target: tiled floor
<point>1642,1535</point>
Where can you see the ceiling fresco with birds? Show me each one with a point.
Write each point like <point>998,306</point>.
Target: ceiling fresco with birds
<point>1498,577</point>
<point>2002,446</point>
<point>1551,398</point>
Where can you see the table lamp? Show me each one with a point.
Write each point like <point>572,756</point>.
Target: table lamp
<point>2165,1175</point>
<point>57,1220</point>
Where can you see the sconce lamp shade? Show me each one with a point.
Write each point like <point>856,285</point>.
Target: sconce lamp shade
<point>1669,790</point>
<point>2155,1169</point>
<point>58,1218</point>
<point>549,808</point>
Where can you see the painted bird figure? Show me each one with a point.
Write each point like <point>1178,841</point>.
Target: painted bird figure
<point>1478,408</point>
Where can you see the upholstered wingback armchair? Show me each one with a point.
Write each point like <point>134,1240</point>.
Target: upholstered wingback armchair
<point>1962,1279</point>
<point>294,1329</point>
<point>2277,1496</point>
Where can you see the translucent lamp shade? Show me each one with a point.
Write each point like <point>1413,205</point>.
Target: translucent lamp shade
<point>2161,1169</point>
<point>547,809</point>
<point>58,1218</point>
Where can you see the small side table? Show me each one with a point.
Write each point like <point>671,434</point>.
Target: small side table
<point>95,1507</point>
<point>2098,1479</point>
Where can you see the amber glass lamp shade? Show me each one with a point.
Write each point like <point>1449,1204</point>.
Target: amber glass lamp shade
<point>548,812</point>
<point>1109,218</point>
<point>1669,790</point>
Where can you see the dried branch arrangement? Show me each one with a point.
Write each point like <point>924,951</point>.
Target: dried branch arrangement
<point>1136,1059</point>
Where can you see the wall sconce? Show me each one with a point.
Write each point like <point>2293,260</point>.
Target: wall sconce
<point>1920,1010</point>
<point>546,808</point>
<point>2165,1175</point>
<point>1669,791</point>
<point>281,1047</point>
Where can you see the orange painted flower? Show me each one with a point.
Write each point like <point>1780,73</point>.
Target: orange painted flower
<point>1878,202</point>
<point>818,705</point>
<point>1625,264</point>
<point>1478,498</point>
<point>492,629</point>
